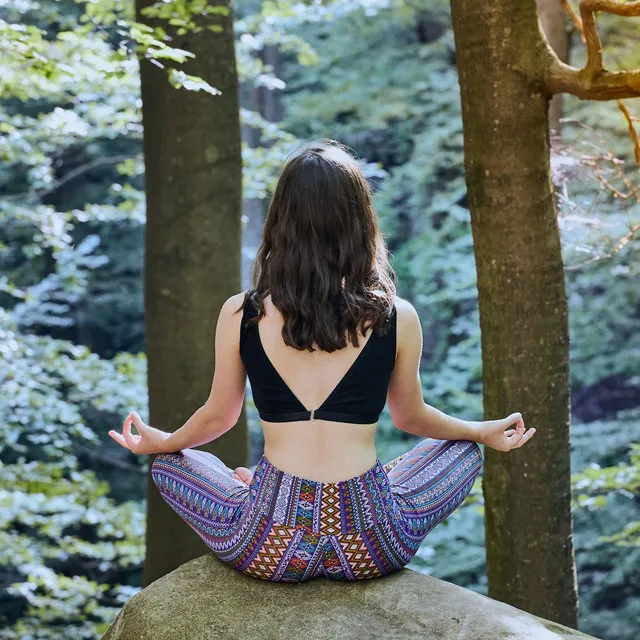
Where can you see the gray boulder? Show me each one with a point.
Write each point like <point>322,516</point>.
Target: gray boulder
<point>205,599</point>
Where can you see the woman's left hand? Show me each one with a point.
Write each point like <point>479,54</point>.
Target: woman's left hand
<point>492,433</point>
<point>150,440</point>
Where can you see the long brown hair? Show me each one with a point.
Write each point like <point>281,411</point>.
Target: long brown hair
<point>323,258</point>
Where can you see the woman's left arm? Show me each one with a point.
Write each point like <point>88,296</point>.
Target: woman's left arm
<point>223,406</point>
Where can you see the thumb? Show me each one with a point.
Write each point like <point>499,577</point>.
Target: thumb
<point>513,417</point>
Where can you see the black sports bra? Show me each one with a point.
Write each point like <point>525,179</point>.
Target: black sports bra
<point>358,398</point>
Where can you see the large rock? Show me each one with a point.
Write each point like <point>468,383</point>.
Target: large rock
<point>205,599</point>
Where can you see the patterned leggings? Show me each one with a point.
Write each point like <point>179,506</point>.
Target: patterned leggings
<point>285,528</point>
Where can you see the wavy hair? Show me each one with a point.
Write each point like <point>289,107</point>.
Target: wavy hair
<point>323,258</point>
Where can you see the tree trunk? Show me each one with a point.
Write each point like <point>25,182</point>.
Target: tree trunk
<point>193,173</point>
<point>522,302</point>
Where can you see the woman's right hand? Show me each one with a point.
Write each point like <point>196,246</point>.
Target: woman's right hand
<point>150,440</point>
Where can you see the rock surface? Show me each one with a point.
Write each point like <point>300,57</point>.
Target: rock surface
<point>205,599</point>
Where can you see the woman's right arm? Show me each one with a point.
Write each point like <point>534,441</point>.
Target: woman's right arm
<point>410,413</point>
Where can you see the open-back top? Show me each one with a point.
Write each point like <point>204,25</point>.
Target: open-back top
<point>358,398</point>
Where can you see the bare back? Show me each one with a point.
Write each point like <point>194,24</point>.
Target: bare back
<point>324,450</point>
<point>319,449</point>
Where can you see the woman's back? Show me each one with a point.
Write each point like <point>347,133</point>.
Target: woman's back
<point>346,389</point>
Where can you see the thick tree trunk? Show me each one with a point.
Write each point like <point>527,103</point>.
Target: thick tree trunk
<point>523,307</point>
<point>193,172</point>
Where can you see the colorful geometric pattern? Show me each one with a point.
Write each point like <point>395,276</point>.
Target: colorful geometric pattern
<point>358,556</point>
<point>330,510</point>
<point>289,529</point>
<point>271,553</point>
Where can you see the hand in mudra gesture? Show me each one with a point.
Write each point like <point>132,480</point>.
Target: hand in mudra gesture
<point>150,440</point>
<point>492,433</point>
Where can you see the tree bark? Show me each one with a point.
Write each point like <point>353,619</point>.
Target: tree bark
<point>193,174</point>
<point>522,302</point>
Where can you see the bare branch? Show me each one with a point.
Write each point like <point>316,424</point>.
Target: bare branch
<point>35,195</point>
<point>605,166</point>
<point>593,82</point>
<point>574,16</point>
<point>607,157</point>
<point>624,9</point>
<point>594,67</point>
<point>107,459</point>
<point>603,85</point>
<point>74,173</point>
<point>620,244</point>
<point>632,130</point>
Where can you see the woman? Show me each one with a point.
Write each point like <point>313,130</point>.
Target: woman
<point>325,342</point>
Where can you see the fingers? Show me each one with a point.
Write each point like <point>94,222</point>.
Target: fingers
<point>137,421</point>
<point>513,435</point>
<point>502,424</point>
<point>127,439</point>
<point>118,438</point>
<point>518,439</point>
<point>525,438</point>
<point>511,438</point>
<point>517,418</point>
<point>126,432</point>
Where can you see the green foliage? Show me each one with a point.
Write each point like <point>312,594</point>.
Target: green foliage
<point>58,520</point>
<point>185,14</point>
<point>601,481</point>
<point>606,548</point>
<point>597,483</point>
<point>72,548</point>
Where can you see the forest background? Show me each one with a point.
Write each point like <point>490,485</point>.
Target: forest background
<point>380,77</point>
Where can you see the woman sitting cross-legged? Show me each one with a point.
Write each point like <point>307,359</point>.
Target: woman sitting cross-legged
<point>325,342</point>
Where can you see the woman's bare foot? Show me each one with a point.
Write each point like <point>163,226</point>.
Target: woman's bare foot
<point>243,474</point>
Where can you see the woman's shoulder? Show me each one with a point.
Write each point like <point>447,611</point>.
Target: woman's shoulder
<point>232,311</point>
<point>409,329</point>
<point>234,303</point>
<point>404,309</point>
